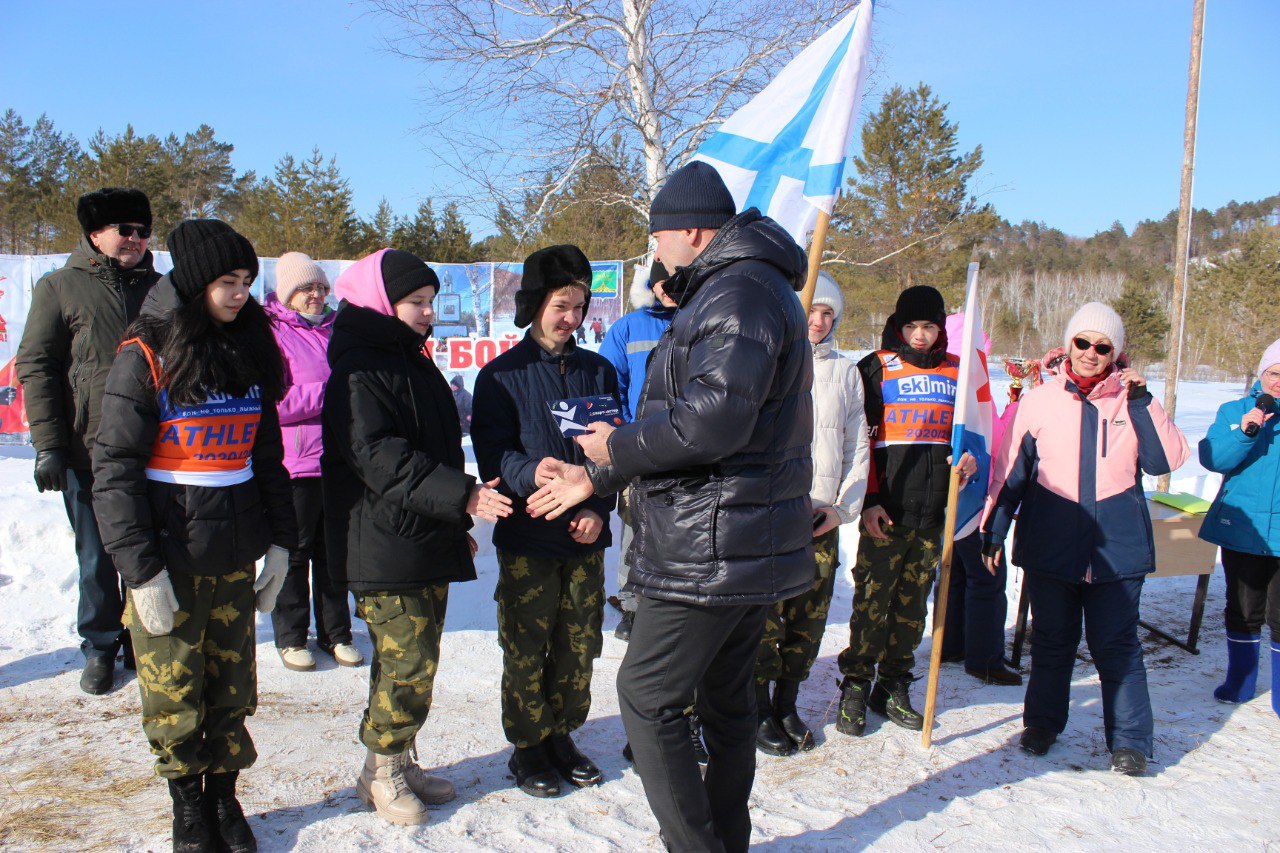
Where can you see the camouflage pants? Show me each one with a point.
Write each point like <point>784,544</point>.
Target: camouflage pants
<point>793,628</point>
<point>405,628</point>
<point>549,625</point>
<point>892,579</point>
<point>199,681</point>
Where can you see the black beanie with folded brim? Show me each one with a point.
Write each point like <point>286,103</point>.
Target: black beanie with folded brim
<point>694,196</point>
<point>203,251</point>
<point>404,272</point>
<point>920,303</point>
<point>548,270</point>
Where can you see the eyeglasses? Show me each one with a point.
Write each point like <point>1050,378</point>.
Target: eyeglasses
<point>1101,349</point>
<point>127,230</point>
<point>313,289</point>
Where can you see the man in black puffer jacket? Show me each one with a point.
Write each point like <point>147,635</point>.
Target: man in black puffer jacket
<point>77,319</point>
<point>720,468</point>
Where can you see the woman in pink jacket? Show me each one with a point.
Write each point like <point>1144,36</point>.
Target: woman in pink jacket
<point>302,322</point>
<point>1071,468</point>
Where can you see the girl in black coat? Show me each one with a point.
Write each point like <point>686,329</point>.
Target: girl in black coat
<point>190,490</point>
<point>397,508</point>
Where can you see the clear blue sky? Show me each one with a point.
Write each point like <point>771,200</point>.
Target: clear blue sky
<point>1078,106</point>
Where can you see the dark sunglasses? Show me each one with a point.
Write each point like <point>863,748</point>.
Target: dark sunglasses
<point>1100,349</point>
<point>127,230</point>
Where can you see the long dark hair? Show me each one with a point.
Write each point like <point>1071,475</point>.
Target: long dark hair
<point>199,355</point>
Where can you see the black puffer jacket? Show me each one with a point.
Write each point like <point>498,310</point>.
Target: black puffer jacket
<point>77,318</point>
<point>395,492</point>
<point>720,454</point>
<point>147,525</point>
<point>908,480</point>
<point>513,430</point>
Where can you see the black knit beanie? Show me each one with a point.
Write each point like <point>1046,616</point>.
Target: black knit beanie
<point>918,303</point>
<point>546,270</point>
<point>404,272</point>
<point>203,251</point>
<point>694,196</point>
<point>111,206</point>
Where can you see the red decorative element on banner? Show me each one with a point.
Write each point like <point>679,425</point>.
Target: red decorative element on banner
<point>13,416</point>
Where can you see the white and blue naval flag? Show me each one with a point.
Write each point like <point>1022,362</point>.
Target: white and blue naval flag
<point>973,427</point>
<point>784,151</point>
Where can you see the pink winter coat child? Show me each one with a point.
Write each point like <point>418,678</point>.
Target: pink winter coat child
<point>303,346</point>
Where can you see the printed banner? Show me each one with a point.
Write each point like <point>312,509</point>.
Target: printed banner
<point>476,319</point>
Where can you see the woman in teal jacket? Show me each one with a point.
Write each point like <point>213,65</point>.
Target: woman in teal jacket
<point>1245,522</point>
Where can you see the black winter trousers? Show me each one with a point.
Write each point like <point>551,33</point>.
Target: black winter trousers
<point>101,608</point>
<point>675,650</point>
<point>1253,593</point>
<point>291,618</point>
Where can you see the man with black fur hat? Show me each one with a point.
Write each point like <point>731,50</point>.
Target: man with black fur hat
<point>551,573</point>
<point>78,316</point>
<point>910,385</point>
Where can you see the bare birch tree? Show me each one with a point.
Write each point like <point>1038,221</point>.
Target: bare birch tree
<point>535,91</point>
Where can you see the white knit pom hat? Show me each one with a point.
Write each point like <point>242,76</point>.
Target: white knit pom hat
<point>1096,317</point>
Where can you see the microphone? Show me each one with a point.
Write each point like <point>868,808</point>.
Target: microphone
<point>1265,403</point>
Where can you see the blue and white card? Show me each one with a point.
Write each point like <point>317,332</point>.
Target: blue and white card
<point>572,416</point>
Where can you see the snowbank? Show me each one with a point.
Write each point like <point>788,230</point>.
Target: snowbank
<point>78,773</point>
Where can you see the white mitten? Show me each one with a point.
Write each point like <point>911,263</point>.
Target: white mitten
<point>271,578</point>
<point>155,603</point>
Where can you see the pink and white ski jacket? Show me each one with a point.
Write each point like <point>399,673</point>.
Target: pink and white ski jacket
<point>1074,466</point>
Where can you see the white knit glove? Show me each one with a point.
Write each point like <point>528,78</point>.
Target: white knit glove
<point>271,578</point>
<point>155,603</point>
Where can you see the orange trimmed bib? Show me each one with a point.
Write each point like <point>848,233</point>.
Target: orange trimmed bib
<point>209,444</point>
<point>919,402</point>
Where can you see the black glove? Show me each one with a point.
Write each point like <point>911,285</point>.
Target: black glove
<point>51,470</point>
<point>990,547</point>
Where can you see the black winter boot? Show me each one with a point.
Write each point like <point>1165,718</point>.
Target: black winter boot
<point>534,772</point>
<point>623,631</point>
<point>785,692</point>
<point>851,718</point>
<point>695,734</point>
<point>576,768</point>
<point>224,815</point>
<point>892,697</point>
<point>770,738</point>
<point>190,832</point>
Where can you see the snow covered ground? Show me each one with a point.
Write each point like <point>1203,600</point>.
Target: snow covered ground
<point>77,772</point>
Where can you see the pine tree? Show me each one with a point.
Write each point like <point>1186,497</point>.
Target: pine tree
<point>1146,323</point>
<point>911,196</point>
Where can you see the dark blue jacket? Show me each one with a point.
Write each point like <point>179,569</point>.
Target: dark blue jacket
<point>628,344</point>
<point>512,430</point>
<point>1245,515</point>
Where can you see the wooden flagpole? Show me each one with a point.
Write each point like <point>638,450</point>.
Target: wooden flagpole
<point>949,526</point>
<point>816,245</point>
<point>940,605</point>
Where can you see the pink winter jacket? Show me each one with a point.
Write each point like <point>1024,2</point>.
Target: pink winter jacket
<point>1072,470</point>
<point>306,370</point>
